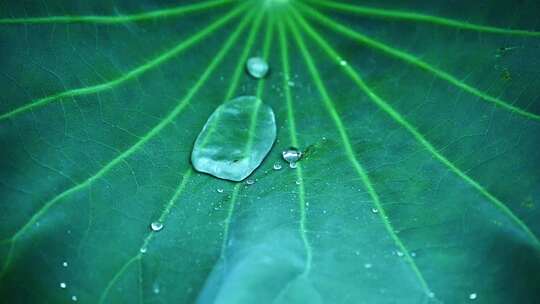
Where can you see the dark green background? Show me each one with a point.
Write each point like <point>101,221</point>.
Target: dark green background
<point>463,244</point>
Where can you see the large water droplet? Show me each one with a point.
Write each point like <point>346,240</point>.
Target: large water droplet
<point>235,139</point>
<point>156,226</point>
<point>257,67</point>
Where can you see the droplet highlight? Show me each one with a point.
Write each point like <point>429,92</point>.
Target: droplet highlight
<point>277,166</point>
<point>235,139</point>
<point>292,156</point>
<point>257,67</point>
<point>63,285</point>
<point>473,296</point>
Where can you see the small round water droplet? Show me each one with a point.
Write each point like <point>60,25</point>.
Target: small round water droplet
<point>291,155</point>
<point>374,210</point>
<point>63,285</point>
<point>143,249</point>
<point>291,83</point>
<point>297,182</point>
<point>473,296</point>
<point>431,294</point>
<point>250,182</point>
<point>277,166</point>
<point>155,288</point>
<point>293,165</point>
<point>399,253</point>
<point>74,298</point>
<point>413,254</point>
<point>357,252</point>
<point>220,190</point>
<point>65,264</point>
<point>342,62</point>
<point>368,265</point>
<point>257,67</point>
<point>156,226</point>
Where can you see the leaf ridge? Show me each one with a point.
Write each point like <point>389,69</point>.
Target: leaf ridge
<point>396,116</point>
<point>329,105</point>
<point>413,60</point>
<point>155,62</point>
<point>152,15</point>
<point>418,17</point>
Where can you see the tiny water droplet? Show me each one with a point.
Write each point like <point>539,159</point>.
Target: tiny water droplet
<point>291,155</point>
<point>290,83</point>
<point>155,288</point>
<point>368,265</point>
<point>277,166</point>
<point>374,210</point>
<point>297,182</point>
<point>74,298</point>
<point>156,226</point>
<point>324,211</point>
<point>473,296</point>
<point>143,249</point>
<point>431,294</point>
<point>413,254</point>
<point>357,252</point>
<point>65,264</point>
<point>399,253</point>
<point>220,190</point>
<point>257,67</point>
<point>293,165</point>
<point>342,62</point>
<point>250,182</point>
<point>63,285</point>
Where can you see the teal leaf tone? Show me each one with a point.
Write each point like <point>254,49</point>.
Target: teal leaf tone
<point>418,124</point>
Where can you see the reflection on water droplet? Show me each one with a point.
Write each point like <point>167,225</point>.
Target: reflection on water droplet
<point>277,166</point>
<point>473,296</point>
<point>374,210</point>
<point>257,67</point>
<point>250,182</point>
<point>220,190</point>
<point>63,285</point>
<point>235,139</point>
<point>156,226</point>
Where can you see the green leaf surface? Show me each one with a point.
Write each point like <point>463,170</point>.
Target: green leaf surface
<point>419,123</point>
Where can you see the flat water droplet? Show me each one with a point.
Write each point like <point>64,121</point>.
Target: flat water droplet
<point>374,210</point>
<point>65,264</point>
<point>235,139</point>
<point>63,285</point>
<point>257,67</point>
<point>156,226</point>
<point>473,296</point>
<point>220,190</point>
<point>250,182</point>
